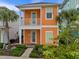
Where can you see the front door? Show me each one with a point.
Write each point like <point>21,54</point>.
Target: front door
<point>33,18</point>
<point>33,36</point>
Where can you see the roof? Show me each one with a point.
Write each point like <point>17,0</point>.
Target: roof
<point>37,4</point>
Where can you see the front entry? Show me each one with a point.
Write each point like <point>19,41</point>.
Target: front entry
<point>33,36</point>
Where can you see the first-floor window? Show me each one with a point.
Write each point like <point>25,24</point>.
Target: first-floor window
<point>49,36</point>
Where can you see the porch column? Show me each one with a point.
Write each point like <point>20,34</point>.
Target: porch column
<point>2,35</point>
<point>20,36</point>
<point>41,26</point>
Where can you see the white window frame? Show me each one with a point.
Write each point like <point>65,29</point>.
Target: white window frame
<point>47,12</point>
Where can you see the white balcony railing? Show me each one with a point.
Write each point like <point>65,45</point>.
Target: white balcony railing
<point>30,23</point>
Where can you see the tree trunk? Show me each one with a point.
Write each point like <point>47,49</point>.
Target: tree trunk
<point>7,32</point>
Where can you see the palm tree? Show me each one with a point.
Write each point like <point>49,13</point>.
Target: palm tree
<point>71,16</point>
<point>7,16</point>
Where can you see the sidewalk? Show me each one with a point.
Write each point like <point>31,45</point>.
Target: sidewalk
<point>10,57</point>
<point>27,53</point>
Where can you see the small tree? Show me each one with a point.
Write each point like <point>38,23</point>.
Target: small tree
<point>7,16</point>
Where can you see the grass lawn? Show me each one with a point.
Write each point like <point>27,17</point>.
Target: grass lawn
<point>17,51</point>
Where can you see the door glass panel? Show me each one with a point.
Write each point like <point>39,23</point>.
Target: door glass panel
<point>33,18</point>
<point>33,36</point>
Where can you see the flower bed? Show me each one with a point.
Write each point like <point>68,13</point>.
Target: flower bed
<point>17,51</point>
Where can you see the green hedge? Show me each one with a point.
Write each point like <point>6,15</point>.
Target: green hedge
<point>61,52</point>
<point>21,46</point>
<point>1,45</point>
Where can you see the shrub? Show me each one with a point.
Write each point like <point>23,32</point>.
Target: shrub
<point>1,45</point>
<point>37,52</point>
<point>61,52</point>
<point>21,46</point>
<point>1,52</point>
<point>72,55</point>
<point>18,51</point>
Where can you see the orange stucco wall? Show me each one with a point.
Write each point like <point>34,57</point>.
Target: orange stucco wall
<point>55,33</point>
<point>53,20</point>
<point>27,36</point>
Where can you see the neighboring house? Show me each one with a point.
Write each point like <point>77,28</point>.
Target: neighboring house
<point>39,24</point>
<point>13,29</point>
<point>70,4</point>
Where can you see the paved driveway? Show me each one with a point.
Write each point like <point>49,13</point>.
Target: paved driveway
<point>10,57</point>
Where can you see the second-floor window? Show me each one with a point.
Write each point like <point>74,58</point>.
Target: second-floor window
<point>49,11</point>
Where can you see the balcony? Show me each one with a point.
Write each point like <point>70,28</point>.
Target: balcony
<point>30,23</point>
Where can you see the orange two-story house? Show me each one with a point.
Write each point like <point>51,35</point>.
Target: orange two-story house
<point>39,24</point>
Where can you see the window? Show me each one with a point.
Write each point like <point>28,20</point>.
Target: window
<point>78,8</point>
<point>49,36</point>
<point>49,13</point>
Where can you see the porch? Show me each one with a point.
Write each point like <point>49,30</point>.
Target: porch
<point>30,36</point>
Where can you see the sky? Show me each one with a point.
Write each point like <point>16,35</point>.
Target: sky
<point>12,3</point>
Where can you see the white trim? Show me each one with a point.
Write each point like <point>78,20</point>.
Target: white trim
<point>30,27</point>
<point>37,26</point>
<point>46,13</point>
<point>50,26</point>
<point>35,36</point>
<point>27,8</point>
<point>35,18</point>
<point>20,36</point>
<point>38,5</point>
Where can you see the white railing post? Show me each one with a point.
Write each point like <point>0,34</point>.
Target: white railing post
<point>20,36</point>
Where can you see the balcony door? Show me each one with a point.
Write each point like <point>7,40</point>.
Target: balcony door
<point>34,16</point>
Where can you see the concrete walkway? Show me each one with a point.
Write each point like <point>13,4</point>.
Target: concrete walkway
<point>10,57</point>
<point>27,53</point>
<point>24,56</point>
